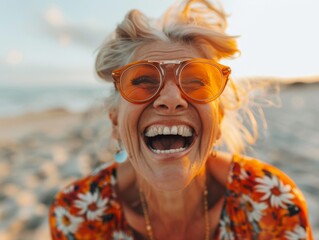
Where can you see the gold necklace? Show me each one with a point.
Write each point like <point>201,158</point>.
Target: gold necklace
<point>148,222</point>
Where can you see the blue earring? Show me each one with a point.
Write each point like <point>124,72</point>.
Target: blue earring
<point>120,156</point>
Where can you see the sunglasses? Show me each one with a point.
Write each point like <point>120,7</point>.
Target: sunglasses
<point>199,80</point>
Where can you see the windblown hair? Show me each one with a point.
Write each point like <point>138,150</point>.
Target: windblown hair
<point>198,23</point>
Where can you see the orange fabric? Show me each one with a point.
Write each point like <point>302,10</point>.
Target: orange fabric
<point>261,202</point>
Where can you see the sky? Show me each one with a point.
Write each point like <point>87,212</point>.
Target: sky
<point>46,42</point>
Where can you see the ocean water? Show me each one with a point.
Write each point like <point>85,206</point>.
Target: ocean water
<point>292,142</point>
<point>15,101</point>
<point>293,127</point>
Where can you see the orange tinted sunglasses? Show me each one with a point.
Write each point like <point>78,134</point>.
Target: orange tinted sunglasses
<point>200,80</point>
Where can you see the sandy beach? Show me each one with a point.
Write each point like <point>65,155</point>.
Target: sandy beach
<point>42,152</point>
<point>39,154</point>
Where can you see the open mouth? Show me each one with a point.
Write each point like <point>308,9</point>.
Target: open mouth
<point>168,139</point>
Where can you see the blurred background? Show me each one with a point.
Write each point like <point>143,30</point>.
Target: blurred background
<point>53,128</point>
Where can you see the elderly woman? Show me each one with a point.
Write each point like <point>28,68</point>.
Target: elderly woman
<point>169,111</point>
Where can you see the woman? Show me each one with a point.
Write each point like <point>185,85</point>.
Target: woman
<point>169,111</point>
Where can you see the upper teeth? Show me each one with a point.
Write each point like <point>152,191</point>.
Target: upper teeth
<point>182,130</point>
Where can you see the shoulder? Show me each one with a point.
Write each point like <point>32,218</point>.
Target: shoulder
<point>87,208</point>
<point>269,199</point>
<point>255,174</point>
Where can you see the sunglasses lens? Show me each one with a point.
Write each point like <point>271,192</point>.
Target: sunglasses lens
<point>201,81</point>
<point>140,82</point>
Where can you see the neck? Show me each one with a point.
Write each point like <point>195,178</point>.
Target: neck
<point>175,211</point>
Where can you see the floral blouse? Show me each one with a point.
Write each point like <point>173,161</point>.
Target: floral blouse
<point>261,202</point>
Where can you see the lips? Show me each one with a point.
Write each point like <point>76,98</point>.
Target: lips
<point>162,139</point>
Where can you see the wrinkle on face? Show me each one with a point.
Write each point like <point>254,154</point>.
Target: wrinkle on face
<point>134,118</point>
<point>155,51</point>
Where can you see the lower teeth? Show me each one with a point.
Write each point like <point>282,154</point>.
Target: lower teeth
<point>168,151</point>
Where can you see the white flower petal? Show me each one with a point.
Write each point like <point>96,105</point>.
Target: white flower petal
<point>82,196</point>
<point>102,202</point>
<point>266,196</point>
<point>72,223</point>
<point>94,197</point>
<point>296,234</point>
<point>85,205</point>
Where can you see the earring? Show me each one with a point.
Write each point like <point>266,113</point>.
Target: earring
<point>214,152</point>
<point>120,154</point>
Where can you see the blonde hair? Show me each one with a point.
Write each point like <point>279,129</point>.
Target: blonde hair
<point>195,22</point>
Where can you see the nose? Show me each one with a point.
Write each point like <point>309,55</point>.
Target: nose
<point>170,98</point>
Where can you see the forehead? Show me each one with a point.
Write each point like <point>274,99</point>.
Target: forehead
<point>165,51</point>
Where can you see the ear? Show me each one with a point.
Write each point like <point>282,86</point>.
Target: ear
<point>113,115</point>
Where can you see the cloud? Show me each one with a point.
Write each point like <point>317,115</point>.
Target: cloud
<point>67,32</point>
<point>55,17</point>
<point>65,39</point>
<point>56,25</point>
<point>14,57</point>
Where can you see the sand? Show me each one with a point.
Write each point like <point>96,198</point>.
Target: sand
<point>52,122</point>
<point>39,154</point>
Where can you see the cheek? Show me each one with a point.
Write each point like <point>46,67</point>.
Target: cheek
<point>211,124</point>
<point>128,118</point>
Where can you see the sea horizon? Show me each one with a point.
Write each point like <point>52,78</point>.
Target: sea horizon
<point>20,100</point>
<point>16,100</point>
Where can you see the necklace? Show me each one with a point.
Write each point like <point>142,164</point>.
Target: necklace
<point>148,222</point>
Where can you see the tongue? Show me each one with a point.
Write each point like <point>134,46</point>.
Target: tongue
<point>166,142</point>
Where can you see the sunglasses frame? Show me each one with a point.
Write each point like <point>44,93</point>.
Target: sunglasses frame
<point>160,66</point>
